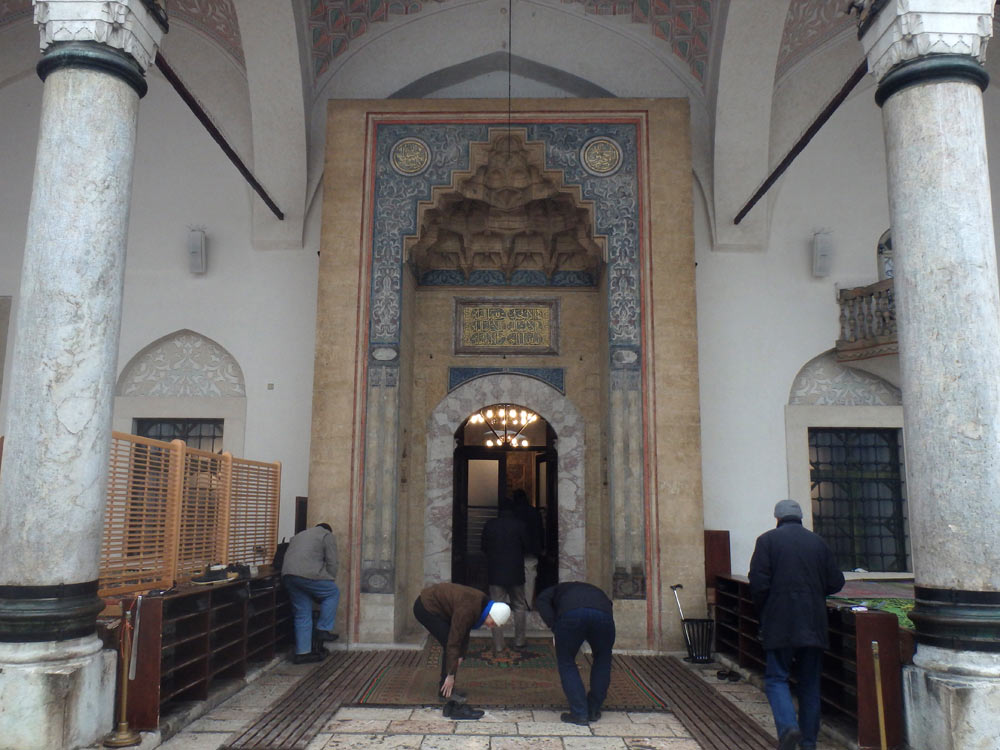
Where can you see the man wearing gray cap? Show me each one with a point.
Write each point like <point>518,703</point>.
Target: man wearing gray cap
<point>792,571</point>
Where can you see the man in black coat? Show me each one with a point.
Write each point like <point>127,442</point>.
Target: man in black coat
<point>505,542</point>
<point>579,612</point>
<point>792,571</point>
<point>532,519</point>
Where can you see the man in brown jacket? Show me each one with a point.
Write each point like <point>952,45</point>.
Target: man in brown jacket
<point>450,611</point>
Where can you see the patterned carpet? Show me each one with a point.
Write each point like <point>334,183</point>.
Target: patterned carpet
<point>526,678</point>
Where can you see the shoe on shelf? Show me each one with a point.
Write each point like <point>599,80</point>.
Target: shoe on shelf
<point>307,658</point>
<point>212,574</point>
<point>594,715</point>
<point>324,636</point>
<point>789,739</point>
<point>570,718</point>
<point>457,696</point>
<point>462,712</point>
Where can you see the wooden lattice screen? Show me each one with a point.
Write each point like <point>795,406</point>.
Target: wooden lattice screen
<point>139,519</point>
<point>172,511</point>
<point>202,537</point>
<point>253,516</point>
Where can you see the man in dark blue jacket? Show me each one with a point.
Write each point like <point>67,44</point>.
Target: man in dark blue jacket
<point>579,612</point>
<point>792,571</point>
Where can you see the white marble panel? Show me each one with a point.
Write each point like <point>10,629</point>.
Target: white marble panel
<point>442,424</point>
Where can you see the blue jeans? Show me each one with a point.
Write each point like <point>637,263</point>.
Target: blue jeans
<point>598,629</point>
<point>806,664</point>
<point>302,592</point>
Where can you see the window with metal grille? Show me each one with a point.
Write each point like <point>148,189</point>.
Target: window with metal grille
<point>203,434</point>
<point>858,496</point>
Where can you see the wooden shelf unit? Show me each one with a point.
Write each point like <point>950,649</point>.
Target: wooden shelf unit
<point>195,637</point>
<point>848,687</point>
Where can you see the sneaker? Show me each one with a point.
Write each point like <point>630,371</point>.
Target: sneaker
<point>462,712</point>
<point>212,574</point>
<point>307,658</point>
<point>789,739</point>
<point>573,719</point>
<point>324,636</point>
<point>594,715</point>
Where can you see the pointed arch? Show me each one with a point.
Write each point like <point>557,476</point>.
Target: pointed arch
<point>823,381</point>
<point>444,421</point>
<point>184,375</point>
<point>182,364</point>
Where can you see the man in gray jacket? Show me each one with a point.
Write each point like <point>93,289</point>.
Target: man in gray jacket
<point>308,573</point>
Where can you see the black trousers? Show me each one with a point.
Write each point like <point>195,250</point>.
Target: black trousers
<point>439,628</point>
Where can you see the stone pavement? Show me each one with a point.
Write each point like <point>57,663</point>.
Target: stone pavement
<point>372,728</point>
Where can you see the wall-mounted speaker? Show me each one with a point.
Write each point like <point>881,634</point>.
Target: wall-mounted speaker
<point>197,251</point>
<point>822,254</point>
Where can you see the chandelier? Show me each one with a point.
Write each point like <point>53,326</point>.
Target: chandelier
<point>504,424</point>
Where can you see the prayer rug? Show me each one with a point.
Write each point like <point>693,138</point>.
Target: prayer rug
<point>525,678</point>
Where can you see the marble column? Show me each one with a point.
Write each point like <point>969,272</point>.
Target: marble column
<point>927,56</point>
<point>56,684</point>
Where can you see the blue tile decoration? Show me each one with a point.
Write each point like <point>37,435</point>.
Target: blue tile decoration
<point>554,376</point>
<point>616,211</point>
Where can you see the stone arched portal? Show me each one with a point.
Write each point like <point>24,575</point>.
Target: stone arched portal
<point>448,416</point>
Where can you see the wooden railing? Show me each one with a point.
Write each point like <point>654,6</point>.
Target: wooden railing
<point>173,510</point>
<point>867,321</point>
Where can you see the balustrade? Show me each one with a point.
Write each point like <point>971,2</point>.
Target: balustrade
<point>867,321</point>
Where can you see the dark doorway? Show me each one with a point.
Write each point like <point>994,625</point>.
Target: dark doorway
<point>484,474</point>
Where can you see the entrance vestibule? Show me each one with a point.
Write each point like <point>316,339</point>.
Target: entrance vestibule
<point>500,450</point>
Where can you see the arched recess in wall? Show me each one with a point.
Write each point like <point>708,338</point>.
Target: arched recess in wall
<point>454,409</point>
<point>184,375</point>
<point>825,393</point>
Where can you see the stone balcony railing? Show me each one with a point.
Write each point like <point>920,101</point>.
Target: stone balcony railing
<point>867,323</point>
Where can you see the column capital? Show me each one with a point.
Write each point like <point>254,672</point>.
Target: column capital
<point>134,27</point>
<point>899,31</point>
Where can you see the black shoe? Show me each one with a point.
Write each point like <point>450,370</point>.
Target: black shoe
<point>307,658</point>
<point>594,715</point>
<point>789,739</point>
<point>573,719</point>
<point>323,636</point>
<point>461,712</point>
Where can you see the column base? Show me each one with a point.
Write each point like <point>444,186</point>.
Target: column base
<point>56,694</point>
<point>951,699</point>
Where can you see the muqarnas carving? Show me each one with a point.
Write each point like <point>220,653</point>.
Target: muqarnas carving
<point>507,213</point>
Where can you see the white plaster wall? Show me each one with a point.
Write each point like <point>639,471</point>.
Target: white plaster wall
<point>761,316</point>
<point>259,305</point>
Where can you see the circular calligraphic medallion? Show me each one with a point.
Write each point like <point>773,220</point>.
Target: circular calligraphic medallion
<point>601,156</point>
<point>410,156</point>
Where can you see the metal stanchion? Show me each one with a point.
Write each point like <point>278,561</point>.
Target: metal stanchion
<point>123,736</point>
<point>878,695</point>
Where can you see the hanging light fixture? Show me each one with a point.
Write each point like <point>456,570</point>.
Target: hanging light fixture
<point>504,425</point>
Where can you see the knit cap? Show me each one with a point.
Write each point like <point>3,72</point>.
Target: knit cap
<point>788,509</point>
<point>500,612</point>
